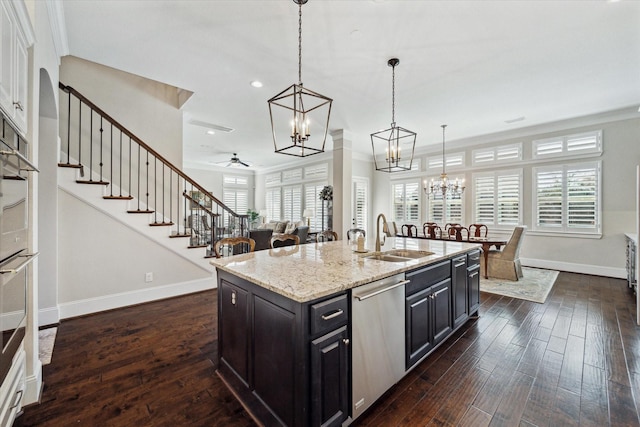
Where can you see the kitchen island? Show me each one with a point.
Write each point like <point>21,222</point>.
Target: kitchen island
<point>303,331</point>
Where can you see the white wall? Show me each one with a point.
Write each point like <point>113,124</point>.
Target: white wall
<point>603,256</point>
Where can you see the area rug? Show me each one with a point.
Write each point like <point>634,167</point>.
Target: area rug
<point>535,285</point>
<point>46,338</point>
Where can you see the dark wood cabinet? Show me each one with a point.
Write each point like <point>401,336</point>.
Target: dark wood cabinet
<point>459,289</point>
<point>473,281</point>
<point>330,378</point>
<point>288,362</point>
<point>441,303</point>
<point>427,310</point>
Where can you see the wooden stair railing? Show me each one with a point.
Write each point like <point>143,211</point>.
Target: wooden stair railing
<point>106,153</point>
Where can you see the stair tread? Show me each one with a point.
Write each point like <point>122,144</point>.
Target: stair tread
<point>136,211</point>
<point>82,181</point>
<point>180,235</point>
<point>160,224</point>
<point>70,165</point>
<point>118,197</point>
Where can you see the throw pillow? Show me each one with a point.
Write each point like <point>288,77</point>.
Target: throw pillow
<point>280,227</point>
<point>270,225</point>
<point>290,227</point>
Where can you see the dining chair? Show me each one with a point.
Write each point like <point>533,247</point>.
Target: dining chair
<point>478,230</point>
<point>280,240</point>
<point>327,236</point>
<point>460,233</point>
<point>232,242</point>
<point>449,229</point>
<point>409,230</point>
<point>352,232</point>
<point>432,230</point>
<point>505,263</point>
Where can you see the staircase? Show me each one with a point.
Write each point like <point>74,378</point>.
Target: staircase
<point>107,166</point>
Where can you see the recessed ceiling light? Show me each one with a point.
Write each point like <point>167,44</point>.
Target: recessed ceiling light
<point>256,83</point>
<point>210,132</point>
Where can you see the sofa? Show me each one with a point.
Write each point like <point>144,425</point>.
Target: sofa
<point>262,235</point>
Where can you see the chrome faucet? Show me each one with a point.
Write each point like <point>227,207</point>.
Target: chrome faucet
<point>385,230</point>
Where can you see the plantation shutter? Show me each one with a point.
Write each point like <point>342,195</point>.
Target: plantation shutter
<point>508,203</point>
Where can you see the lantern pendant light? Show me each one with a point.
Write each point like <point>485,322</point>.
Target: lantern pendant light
<point>299,116</point>
<point>392,140</point>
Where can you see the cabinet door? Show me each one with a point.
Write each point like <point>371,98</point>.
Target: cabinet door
<point>234,328</point>
<point>20,82</point>
<point>418,326</point>
<point>330,378</point>
<point>459,285</point>
<point>473,281</point>
<point>441,303</point>
<point>7,44</point>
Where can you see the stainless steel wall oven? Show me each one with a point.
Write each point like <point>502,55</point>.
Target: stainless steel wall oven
<point>14,233</point>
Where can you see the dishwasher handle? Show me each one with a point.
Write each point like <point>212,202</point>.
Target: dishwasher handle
<point>375,292</point>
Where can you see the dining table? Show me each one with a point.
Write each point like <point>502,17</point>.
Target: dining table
<point>486,242</point>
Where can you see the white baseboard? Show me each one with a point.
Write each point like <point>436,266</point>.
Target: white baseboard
<point>34,385</point>
<point>109,302</point>
<point>48,316</point>
<point>596,270</point>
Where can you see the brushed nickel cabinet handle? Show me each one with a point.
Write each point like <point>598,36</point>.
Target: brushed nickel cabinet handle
<point>332,315</point>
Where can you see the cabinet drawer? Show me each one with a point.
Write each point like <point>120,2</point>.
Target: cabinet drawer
<point>327,315</point>
<point>473,258</point>
<point>425,277</point>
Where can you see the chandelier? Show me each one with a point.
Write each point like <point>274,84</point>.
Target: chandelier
<point>444,186</point>
<point>391,139</point>
<point>303,110</point>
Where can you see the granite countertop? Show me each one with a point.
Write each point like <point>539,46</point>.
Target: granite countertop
<point>314,270</point>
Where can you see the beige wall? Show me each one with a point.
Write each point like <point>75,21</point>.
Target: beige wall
<point>147,108</point>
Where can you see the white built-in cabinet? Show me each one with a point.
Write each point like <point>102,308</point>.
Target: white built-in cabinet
<point>14,67</point>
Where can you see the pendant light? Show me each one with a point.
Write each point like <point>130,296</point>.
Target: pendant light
<point>299,116</point>
<point>392,140</point>
<point>448,189</point>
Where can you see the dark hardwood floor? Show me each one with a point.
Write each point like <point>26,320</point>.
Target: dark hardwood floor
<point>574,360</point>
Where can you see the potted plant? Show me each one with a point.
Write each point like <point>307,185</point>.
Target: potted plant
<point>253,218</point>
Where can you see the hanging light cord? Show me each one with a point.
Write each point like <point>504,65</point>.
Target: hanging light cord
<point>443,126</point>
<point>393,96</point>
<point>300,43</point>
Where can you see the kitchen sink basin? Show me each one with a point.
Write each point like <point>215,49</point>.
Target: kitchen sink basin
<point>388,258</point>
<point>408,253</point>
<point>399,255</point>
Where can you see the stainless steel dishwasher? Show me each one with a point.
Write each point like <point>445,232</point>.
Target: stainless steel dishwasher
<point>378,339</point>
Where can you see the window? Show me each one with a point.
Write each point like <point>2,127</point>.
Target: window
<point>497,198</point>
<point>360,201</point>
<point>567,198</point>
<point>237,200</point>
<point>272,179</point>
<point>444,211</point>
<point>273,204</point>
<point>316,171</point>
<point>406,203</point>
<point>313,202</point>
<point>568,145</point>
<point>292,175</point>
<point>500,154</point>
<point>237,180</point>
<point>453,160</point>
<point>292,197</point>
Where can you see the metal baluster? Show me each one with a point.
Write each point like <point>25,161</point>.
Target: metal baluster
<point>120,164</point>
<point>138,195</point>
<point>101,145</point>
<point>111,163</point>
<point>69,129</point>
<point>147,178</point>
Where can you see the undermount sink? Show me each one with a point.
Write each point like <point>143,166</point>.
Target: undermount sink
<point>399,255</point>
<point>408,253</point>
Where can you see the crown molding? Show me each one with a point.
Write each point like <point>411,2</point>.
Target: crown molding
<point>58,28</point>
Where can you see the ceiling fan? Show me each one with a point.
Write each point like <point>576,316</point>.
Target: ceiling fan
<point>235,162</point>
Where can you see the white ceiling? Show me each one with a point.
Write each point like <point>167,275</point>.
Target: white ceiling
<point>470,64</point>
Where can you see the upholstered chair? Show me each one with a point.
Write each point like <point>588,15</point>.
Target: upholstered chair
<point>505,263</point>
